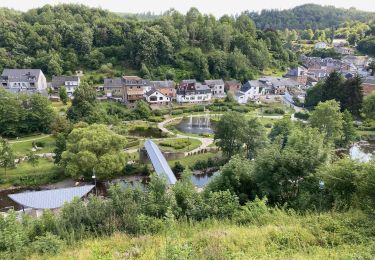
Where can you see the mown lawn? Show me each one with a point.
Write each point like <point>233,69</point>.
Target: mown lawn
<point>23,145</point>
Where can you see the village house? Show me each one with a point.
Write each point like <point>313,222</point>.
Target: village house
<point>217,87</point>
<point>340,42</point>
<point>128,89</point>
<point>298,74</point>
<point>71,83</point>
<point>135,88</point>
<point>166,87</point>
<point>24,80</point>
<point>113,88</point>
<point>191,91</point>
<point>368,85</point>
<point>253,89</point>
<point>232,85</point>
<point>154,96</point>
<point>320,45</point>
<point>248,92</point>
<point>344,50</point>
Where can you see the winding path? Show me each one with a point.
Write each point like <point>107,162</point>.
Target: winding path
<point>28,140</point>
<point>205,141</point>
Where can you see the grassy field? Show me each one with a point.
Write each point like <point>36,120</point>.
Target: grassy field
<point>276,236</point>
<point>178,144</point>
<point>273,72</point>
<point>27,175</point>
<point>60,107</point>
<point>189,161</point>
<point>23,145</point>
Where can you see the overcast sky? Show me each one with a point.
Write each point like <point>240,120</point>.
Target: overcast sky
<point>216,7</point>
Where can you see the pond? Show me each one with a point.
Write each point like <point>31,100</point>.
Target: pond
<point>196,125</point>
<point>362,151</point>
<point>202,180</point>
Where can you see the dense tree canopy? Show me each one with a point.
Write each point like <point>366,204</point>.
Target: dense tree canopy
<point>63,38</point>
<point>93,149</point>
<point>23,114</point>
<point>335,87</point>
<point>308,16</point>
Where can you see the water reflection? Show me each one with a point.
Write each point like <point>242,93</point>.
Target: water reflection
<point>196,125</point>
<point>362,151</point>
<point>202,180</point>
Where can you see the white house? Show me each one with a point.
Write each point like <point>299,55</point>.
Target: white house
<point>24,80</point>
<point>249,91</point>
<point>217,87</point>
<point>193,93</point>
<point>71,83</point>
<point>155,97</point>
<point>320,45</point>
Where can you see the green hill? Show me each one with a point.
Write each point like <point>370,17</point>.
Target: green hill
<point>309,16</point>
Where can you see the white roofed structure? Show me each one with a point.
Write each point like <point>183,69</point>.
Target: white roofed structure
<point>50,199</point>
<point>159,162</point>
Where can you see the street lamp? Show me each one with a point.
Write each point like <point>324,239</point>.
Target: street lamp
<point>321,188</point>
<point>94,178</point>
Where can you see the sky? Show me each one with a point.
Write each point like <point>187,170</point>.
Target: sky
<point>217,8</point>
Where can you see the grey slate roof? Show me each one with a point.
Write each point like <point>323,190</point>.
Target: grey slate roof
<point>214,82</point>
<point>163,84</point>
<point>159,162</point>
<point>188,81</point>
<point>58,81</point>
<point>15,75</point>
<point>50,199</point>
<point>112,82</point>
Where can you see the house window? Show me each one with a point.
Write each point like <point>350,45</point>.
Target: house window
<point>160,98</point>
<point>153,98</point>
<point>5,84</point>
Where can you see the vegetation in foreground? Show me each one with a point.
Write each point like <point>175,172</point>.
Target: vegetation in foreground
<point>268,234</point>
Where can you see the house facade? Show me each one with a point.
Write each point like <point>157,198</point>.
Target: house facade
<point>156,97</point>
<point>249,91</point>
<point>368,85</point>
<point>217,87</point>
<point>166,87</point>
<point>127,88</point>
<point>298,74</point>
<point>24,80</point>
<point>113,88</point>
<point>232,85</point>
<point>193,92</point>
<point>253,89</point>
<point>71,83</point>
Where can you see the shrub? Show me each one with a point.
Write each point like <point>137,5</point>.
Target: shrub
<point>301,115</point>
<point>275,110</point>
<point>221,204</point>
<point>253,212</point>
<point>177,112</point>
<point>47,244</point>
<point>40,144</point>
<point>149,225</point>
